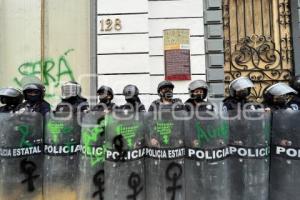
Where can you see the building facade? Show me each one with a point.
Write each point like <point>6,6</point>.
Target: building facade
<point>115,43</point>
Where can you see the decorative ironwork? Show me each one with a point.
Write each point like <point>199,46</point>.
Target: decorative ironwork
<point>257,42</point>
<point>284,13</point>
<point>255,53</point>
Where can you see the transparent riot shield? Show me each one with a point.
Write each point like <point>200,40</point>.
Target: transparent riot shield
<point>61,149</point>
<point>165,155</point>
<point>249,141</point>
<point>124,165</point>
<point>285,157</point>
<point>91,164</point>
<point>206,164</point>
<point>21,159</point>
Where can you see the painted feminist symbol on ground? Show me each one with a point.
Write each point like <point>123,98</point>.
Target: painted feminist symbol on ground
<point>164,129</point>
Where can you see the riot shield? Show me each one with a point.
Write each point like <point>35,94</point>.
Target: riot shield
<point>61,149</point>
<point>91,163</point>
<point>206,164</point>
<point>124,165</point>
<point>249,148</point>
<point>285,157</point>
<point>165,155</point>
<point>21,159</point>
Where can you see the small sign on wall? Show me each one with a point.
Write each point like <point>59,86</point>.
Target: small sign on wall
<point>177,54</point>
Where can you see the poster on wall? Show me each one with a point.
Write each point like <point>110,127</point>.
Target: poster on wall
<point>177,54</point>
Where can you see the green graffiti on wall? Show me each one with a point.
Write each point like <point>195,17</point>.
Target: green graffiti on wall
<point>53,71</point>
<point>164,129</point>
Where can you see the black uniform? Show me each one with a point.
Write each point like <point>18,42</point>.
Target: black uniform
<point>232,103</point>
<point>157,105</point>
<point>138,106</point>
<point>42,107</point>
<point>8,108</point>
<point>73,103</point>
<point>203,106</point>
<point>34,103</point>
<point>101,107</point>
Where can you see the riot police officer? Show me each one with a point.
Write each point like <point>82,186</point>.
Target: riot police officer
<point>295,84</point>
<point>34,99</point>
<point>71,98</point>
<point>133,102</point>
<point>198,91</point>
<point>279,96</point>
<point>11,98</point>
<point>166,101</point>
<point>106,95</point>
<point>239,90</point>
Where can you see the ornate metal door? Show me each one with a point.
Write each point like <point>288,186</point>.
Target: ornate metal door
<point>257,41</point>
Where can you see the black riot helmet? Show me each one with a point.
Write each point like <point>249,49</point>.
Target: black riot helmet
<point>295,83</point>
<point>164,84</point>
<point>11,96</point>
<point>36,88</point>
<point>198,84</point>
<point>104,92</point>
<point>130,91</point>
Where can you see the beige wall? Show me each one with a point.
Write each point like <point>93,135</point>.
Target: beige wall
<point>66,42</point>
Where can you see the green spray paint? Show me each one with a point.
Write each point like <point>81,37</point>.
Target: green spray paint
<point>128,132</point>
<point>56,129</point>
<point>25,133</point>
<point>89,136</point>
<point>221,131</point>
<point>164,129</point>
<point>53,71</point>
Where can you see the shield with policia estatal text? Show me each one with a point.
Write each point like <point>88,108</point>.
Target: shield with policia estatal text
<point>124,165</point>
<point>206,164</point>
<point>285,155</point>
<point>21,159</point>
<point>92,157</point>
<point>61,159</point>
<point>165,155</point>
<point>249,138</point>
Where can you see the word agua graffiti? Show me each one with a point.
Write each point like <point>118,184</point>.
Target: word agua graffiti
<point>52,71</point>
<point>164,129</point>
<point>204,136</point>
